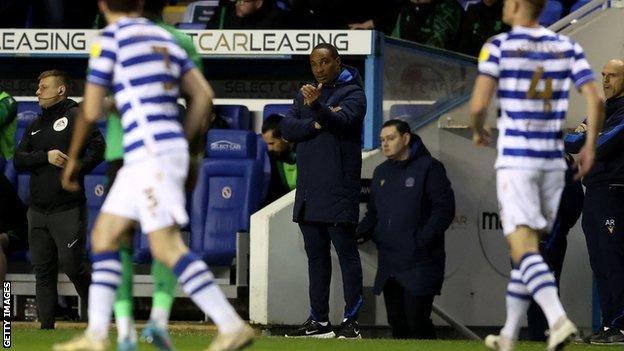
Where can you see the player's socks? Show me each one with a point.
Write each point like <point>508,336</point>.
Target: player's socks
<point>198,283</point>
<point>123,303</point>
<point>541,283</point>
<point>105,278</point>
<point>165,283</point>
<point>518,300</point>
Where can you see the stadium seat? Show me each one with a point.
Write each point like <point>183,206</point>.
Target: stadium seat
<point>198,13</point>
<point>228,191</point>
<point>279,109</point>
<point>551,13</point>
<point>27,111</point>
<point>262,156</point>
<point>95,191</point>
<point>577,5</point>
<point>236,116</point>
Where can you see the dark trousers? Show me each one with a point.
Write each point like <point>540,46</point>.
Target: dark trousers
<point>58,239</point>
<point>317,238</point>
<point>408,315</point>
<point>553,249</point>
<point>603,225</point>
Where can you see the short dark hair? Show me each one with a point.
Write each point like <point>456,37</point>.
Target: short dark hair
<point>401,126</point>
<point>536,7</point>
<point>61,77</point>
<point>271,123</point>
<point>123,5</point>
<point>329,47</point>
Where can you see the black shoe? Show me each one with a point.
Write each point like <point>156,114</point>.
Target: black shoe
<point>313,329</point>
<point>613,336</point>
<point>597,335</point>
<point>349,329</point>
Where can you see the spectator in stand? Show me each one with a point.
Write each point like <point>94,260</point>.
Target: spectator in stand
<point>480,22</point>
<point>248,14</point>
<point>381,16</point>
<point>320,14</point>
<point>429,22</point>
<point>283,159</point>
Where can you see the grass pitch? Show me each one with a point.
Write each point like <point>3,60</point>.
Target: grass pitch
<point>30,339</point>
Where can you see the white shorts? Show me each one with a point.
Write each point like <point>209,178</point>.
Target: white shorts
<point>528,197</point>
<point>151,192</point>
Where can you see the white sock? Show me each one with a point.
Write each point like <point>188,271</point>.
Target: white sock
<point>105,278</point>
<point>198,283</point>
<point>126,329</point>
<point>541,283</point>
<point>160,316</point>
<point>518,300</point>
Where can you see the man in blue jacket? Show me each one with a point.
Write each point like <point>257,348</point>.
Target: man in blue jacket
<point>410,207</point>
<point>603,210</point>
<point>325,122</point>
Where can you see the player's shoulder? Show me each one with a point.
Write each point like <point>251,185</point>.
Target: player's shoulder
<point>498,39</point>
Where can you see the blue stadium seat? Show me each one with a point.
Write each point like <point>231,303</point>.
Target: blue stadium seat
<point>198,13</point>
<point>551,13</point>
<point>236,116</point>
<point>279,109</point>
<point>23,187</point>
<point>27,111</point>
<point>228,191</point>
<point>577,5</point>
<point>262,156</point>
<point>95,191</point>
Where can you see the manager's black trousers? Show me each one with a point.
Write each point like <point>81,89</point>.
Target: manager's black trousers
<point>408,315</point>
<point>603,225</point>
<point>317,238</point>
<point>58,238</point>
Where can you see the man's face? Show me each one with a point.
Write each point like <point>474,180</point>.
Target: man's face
<point>325,68</point>
<point>275,145</point>
<point>49,91</point>
<point>613,79</point>
<point>393,144</point>
<point>246,8</point>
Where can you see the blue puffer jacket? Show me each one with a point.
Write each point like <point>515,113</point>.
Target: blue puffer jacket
<point>609,165</point>
<point>329,160</point>
<point>410,207</point>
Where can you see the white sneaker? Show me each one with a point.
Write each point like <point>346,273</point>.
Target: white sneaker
<point>82,342</point>
<point>561,334</point>
<point>499,343</point>
<point>233,341</point>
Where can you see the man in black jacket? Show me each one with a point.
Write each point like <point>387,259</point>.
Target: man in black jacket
<point>603,209</point>
<point>247,14</point>
<point>326,123</point>
<point>283,159</point>
<point>57,219</point>
<point>410,207</point>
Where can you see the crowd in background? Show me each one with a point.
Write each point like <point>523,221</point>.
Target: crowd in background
<point>456,25</point>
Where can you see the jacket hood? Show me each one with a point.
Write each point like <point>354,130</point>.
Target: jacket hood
<point>417,150</point>
<point>348,75</point>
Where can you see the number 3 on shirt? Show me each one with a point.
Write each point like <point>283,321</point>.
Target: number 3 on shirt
<point>545,94</point>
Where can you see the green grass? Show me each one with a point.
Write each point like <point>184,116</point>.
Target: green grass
<point>39,340</point>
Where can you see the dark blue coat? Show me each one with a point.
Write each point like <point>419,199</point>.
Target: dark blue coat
<point>329,160</point>
<point>410,207</point>
<point>609,165</point>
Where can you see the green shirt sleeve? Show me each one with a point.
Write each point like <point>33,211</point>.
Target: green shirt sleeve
<point>185,43</point>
